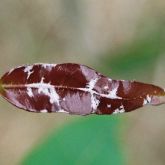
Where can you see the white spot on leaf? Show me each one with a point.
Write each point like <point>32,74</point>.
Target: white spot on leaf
<point>30,92</point>
<point>119,110</point>
<point>113,93</point>
<point>63,111</point>
<point>147,100</point>
<point>92,83</point>
<point>94,101</point>
<point>48,66</point>
<point>108,105</point>
<point>47,90</point>
<point>28,70</point>
<point>44,111</point>
<point>105,87</point>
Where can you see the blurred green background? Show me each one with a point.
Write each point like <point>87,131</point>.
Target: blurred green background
<point>121,39</point>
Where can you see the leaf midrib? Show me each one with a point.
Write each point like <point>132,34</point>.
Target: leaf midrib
<point>9,86</point>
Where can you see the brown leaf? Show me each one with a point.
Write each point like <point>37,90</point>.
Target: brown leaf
<point>74,89</point>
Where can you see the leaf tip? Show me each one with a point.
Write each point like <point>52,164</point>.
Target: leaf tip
<point>158,100</point>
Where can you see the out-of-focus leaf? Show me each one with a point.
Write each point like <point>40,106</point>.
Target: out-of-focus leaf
<point>136,59</point>
<point>74,89</point>
<point>89,141</point>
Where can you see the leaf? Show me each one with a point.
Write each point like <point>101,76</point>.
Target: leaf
<point>90,141</point>
<point>136,58</point>
<point>74,89</point>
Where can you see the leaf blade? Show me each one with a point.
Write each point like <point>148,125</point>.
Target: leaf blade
<point>74,89</point>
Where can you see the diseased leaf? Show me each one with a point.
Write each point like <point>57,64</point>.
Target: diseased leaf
<point>74,89</point>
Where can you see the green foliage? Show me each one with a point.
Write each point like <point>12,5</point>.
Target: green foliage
<point>135,59</point>
<point>91,140</point>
